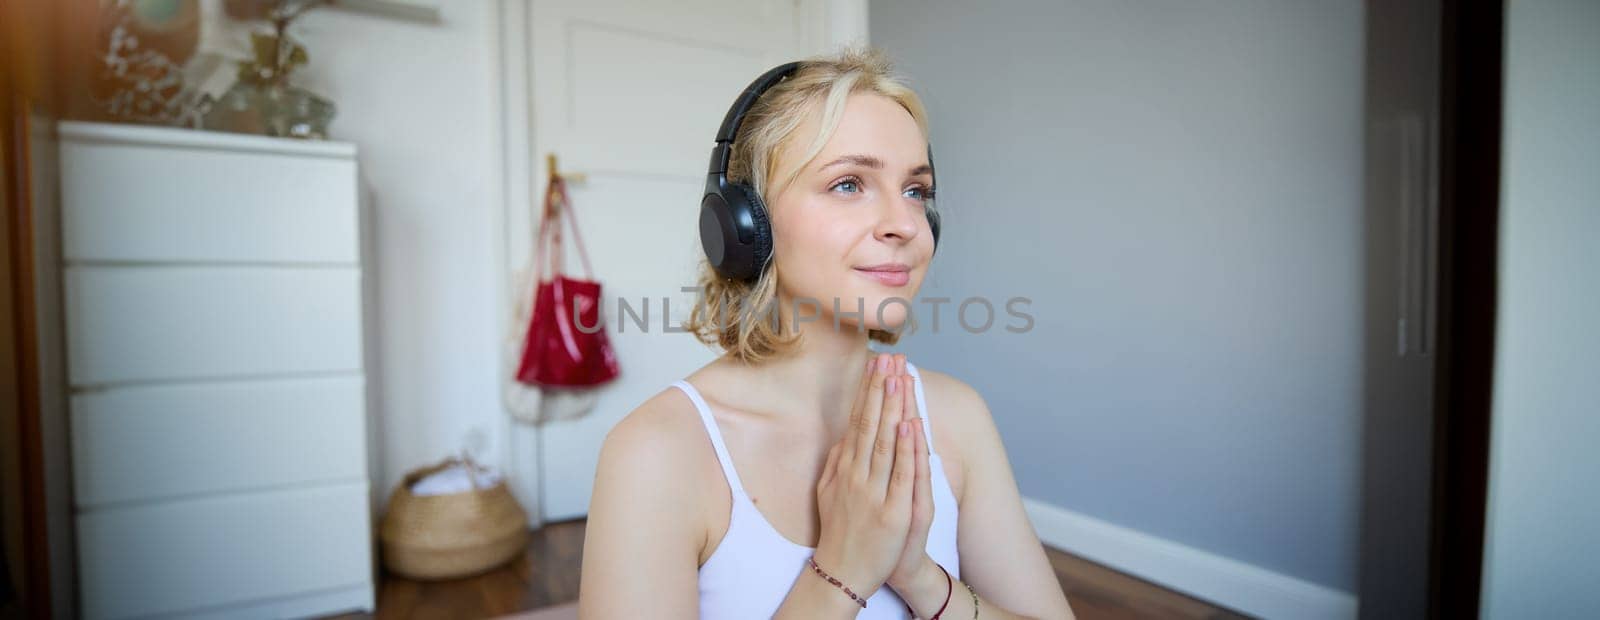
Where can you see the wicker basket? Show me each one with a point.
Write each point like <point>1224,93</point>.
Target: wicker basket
<point>454,535</point>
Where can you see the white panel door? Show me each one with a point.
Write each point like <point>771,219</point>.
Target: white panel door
<point>631,93</point>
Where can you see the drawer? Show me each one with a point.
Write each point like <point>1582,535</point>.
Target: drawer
<point>167,440</point>
<point>317,604</point>
<point>156,195</point>
<point>165,558</point>
<point>161,323</point>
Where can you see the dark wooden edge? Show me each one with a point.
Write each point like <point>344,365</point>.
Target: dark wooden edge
<point>24,326</point>
<point>1469,203</point>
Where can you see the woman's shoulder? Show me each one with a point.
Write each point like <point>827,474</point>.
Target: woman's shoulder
<point>958,402</point>
<point>664,430</point>
<point>955,408</point>
<point>663,441</point>
<point>646,515</point>
<point>650,453</point>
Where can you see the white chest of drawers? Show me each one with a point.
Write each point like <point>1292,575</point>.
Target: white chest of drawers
<point>214,312</point>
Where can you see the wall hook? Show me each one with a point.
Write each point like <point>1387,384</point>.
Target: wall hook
<point>569,177</point>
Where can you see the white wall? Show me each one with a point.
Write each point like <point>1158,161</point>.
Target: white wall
<point>1542,538</point>
<point>421,102</point>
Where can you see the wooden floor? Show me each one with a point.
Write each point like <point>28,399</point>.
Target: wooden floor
<point>547,574</point>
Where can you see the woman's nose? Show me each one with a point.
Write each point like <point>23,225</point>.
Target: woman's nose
<point>896,221</point>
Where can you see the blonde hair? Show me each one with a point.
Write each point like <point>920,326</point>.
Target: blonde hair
<point>743,317</point>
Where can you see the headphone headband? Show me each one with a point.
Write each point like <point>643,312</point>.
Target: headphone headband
<point>735,116</point>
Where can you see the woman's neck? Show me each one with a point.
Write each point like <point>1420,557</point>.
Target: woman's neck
<point>819,377</point>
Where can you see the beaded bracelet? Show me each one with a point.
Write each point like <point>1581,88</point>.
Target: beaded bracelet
<point>835,582</point>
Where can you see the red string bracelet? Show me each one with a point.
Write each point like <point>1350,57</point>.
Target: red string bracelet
<point>948,586</point>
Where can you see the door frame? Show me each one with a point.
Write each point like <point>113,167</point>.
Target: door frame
<point>18,107</point>
<point>1471,116</point>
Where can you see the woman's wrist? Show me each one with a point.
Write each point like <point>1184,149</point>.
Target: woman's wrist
<point>923,590</point>
<point>834,602</point>
<point>814,596</point>
<point>859,598</point>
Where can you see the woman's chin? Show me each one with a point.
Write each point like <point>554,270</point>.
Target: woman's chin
<point>861,310</point>
<point>888,324</point>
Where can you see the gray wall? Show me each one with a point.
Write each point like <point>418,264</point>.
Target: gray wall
<point>1542,545</point>
<point>1178,187</point>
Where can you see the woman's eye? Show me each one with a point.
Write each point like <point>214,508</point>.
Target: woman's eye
<point>852,185</point>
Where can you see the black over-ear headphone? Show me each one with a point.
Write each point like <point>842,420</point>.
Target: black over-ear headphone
<point>734,229</point>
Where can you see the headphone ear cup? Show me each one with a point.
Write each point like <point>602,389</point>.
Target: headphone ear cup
<point>761,246</point>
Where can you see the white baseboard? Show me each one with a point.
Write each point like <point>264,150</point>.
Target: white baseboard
<point>1226,582</point>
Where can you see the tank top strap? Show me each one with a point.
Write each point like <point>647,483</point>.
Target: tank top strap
<point>715,433</point>
<point>922,408</point>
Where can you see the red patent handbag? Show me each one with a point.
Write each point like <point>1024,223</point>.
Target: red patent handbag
<point>566,344</point>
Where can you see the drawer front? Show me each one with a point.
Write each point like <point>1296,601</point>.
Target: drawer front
<point>132,202</point>
<point>168,440</point>
<point>160,323</point>
<point>170,557</point>
<point>318,604</point>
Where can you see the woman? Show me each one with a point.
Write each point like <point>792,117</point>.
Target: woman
<point>798,475</point>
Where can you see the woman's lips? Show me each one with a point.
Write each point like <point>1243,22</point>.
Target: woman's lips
<point>887,277</point>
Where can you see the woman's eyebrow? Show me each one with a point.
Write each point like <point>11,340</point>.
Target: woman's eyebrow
<point>871,162</point>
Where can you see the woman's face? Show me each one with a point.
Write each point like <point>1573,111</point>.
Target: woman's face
<point>851,226</point>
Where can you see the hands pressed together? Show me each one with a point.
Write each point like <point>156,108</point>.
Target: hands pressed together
<point>875,496</point>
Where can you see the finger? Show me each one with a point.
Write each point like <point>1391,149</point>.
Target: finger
<point>924,492</point>
<point>903,480</point>
<point>857,408</point>
<point>865,384</point>
<point>911,394</point>
<point>883,450</point>
<point>866,427</point>
<point>831,465</point>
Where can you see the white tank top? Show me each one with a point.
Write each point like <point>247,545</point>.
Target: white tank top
<point>754,567</point>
